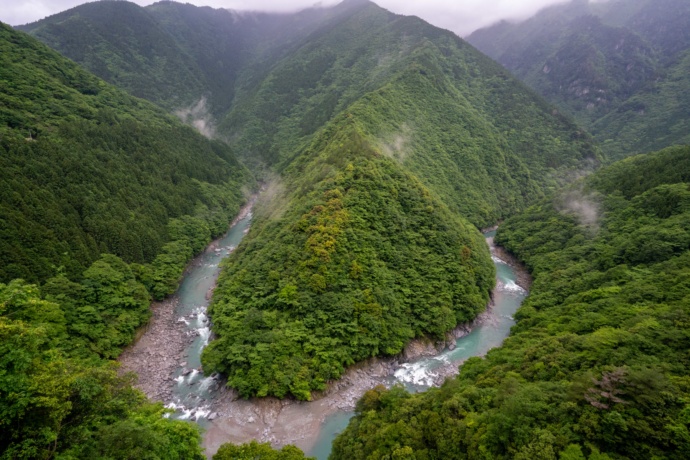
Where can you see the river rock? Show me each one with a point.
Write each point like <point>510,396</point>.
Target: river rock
<point>418,349</point>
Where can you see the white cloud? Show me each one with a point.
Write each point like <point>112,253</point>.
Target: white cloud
<point>460,16</point>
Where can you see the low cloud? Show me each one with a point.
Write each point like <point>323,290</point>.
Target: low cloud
<point>461,16</point>
<point>273,200</point>
<point>396,145</point>
<point>198,116</point>
<point>584,208</point>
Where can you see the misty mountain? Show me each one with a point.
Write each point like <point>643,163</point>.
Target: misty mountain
<point>618,67</point>
<point>89,169</point>
<point>351,106</point>
<point>170,53</point>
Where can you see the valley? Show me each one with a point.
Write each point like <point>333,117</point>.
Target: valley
<point>226,234</point>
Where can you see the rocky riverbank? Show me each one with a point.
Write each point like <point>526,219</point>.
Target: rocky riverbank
<point>154,357</point>
<point>160,349</point>
<point>282,422</point>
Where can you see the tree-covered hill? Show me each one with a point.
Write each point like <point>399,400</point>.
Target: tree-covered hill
<point>597,364</point>
<point>618,67</point>
<point>88,169</point>
<point>466,128</point>
<point>361,259</point>
<point>387,133</point>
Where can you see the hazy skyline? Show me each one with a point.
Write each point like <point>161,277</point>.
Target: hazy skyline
<point>460,16</point>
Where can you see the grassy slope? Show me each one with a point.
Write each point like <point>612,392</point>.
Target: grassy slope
<point>597,365</point>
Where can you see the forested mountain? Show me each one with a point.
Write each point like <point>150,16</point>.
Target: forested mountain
<point>352,106</point>
<point>388,133</point>
<point>619,67</point>
<point>170,53</point>
<point>89,170</point>
<point>274,80</point>
<point>597,366</point>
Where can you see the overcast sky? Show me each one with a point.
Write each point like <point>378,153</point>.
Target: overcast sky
<point>460,16</point>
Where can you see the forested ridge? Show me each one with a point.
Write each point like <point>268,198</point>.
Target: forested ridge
<point>89,170</point>
<point>363,260</point>
<point>382,157</point>
<point>597,364</point>
<point>103,200</point>
<point>619,67</point>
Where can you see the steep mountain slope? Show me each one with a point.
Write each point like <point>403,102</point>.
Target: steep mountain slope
<point>387,133</point>
<point>361,260</point>
<point>468,130</point>
<point>121,42</point>
<point>597,365</point>
<point>89,169</point>
<point>604,63</point>
<point>171,53</point>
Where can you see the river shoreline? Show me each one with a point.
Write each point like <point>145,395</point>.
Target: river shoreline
<point>159,354</point>
<point>282,422</point>
<point>159,350</point>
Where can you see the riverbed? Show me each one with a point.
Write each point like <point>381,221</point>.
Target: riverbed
<point>167,358</point>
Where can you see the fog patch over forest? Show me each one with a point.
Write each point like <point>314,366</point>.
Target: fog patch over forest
<point>197,115</point>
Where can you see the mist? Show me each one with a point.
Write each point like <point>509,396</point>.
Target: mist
<point>461,16</point>
<point>198,116</point>
<point>583,207</point>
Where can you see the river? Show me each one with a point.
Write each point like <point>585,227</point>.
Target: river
<point>419,375</point>
<point>309,425</point>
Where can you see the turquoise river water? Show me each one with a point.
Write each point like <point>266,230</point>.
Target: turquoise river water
<point>194,391</point>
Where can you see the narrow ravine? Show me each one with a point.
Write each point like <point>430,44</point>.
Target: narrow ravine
<point>193,392</point>
<point>168,356</point>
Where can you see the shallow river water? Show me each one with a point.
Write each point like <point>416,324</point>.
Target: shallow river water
<point>195,396</point>
<point>194,391</point>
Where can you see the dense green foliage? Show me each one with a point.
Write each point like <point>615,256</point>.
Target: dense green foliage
<point>363,260</point>
<point>620,67</point>
<point>385,130</point>
<point>256,451</point>
<point>54,406</point>
<point>597,364</point>
<point>89,170</point>
<point>467,129</point>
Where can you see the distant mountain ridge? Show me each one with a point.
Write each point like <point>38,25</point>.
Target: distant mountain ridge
<point>619,67</point>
